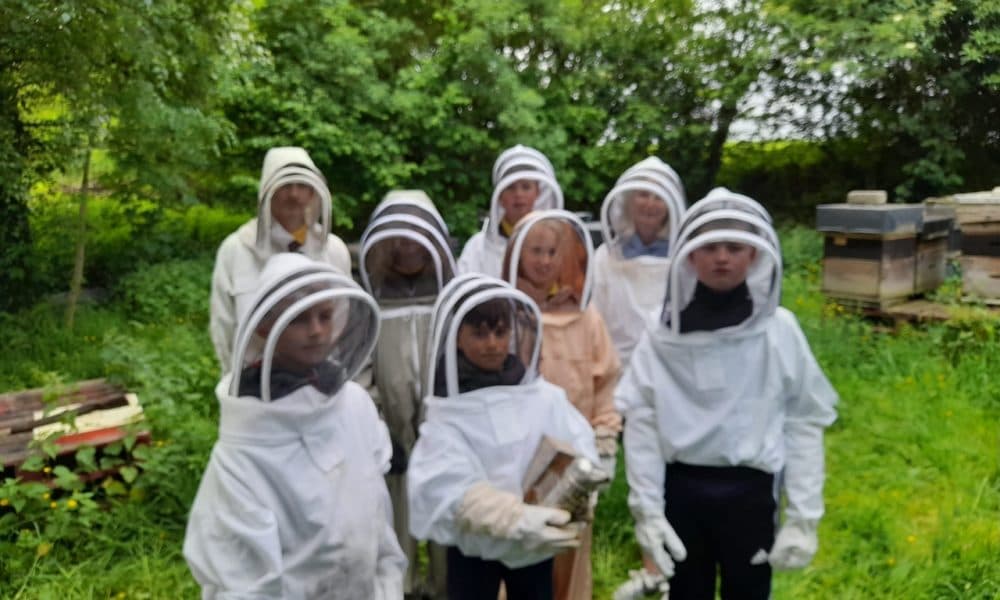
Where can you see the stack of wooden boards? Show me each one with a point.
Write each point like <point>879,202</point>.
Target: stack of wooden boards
<point>86,413</point>
<point>877,254</point>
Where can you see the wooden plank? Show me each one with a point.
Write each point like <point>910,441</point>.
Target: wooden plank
<point>981,276</point>
<point>931,265</point>
<point>851,276</point>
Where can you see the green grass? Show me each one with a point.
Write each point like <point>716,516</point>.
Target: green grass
<point>913,481</point>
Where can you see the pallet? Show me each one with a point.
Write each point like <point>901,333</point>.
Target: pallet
<point>87,413</point>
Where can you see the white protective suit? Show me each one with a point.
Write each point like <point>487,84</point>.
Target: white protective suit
<point>748,395</point>
<point>628,292</point>
<point>483,253</point>
<point>485,438</point>
<point>242,255</point>
<point>293,503</point>
<point>406,302</point>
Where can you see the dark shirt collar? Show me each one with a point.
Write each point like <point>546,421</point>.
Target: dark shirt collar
<point>327,377</point>
<point>710,310</point>
<point>471,377</point>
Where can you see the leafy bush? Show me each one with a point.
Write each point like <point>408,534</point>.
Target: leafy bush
<point>173,291</point>
<point>122,235</point>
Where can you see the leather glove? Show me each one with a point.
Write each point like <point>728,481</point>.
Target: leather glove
<point>795,545</point>
<point>660,543</point>
<point>643,584</point>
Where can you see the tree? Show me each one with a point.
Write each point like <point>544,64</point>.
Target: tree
<point>917,82</point>
<point>137,74</point>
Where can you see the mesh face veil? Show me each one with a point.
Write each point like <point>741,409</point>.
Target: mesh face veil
<point>724,227</point>
<point>473,301</point>
<point>288,166</point>
<point>404,250</point>
<point>550,195</point>
<point>637,200</point>
<point>551,252</point>
<point>306,321</point>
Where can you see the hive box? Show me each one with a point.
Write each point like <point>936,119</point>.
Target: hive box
<point>870,251</point>
<point>978,216</point>
<point>932,253</point>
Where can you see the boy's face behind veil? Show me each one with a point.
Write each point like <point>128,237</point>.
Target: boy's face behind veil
<point>484,346</point>
<point>518,199</point>
<point>308,339</point>
<point>722,266</point>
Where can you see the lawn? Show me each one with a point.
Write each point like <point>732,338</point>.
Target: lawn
<point>913,482</point>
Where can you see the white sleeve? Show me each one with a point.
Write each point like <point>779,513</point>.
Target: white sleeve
<point>471,259</point>
<point>222,308</point>
<point>440,471</point>
<point>644,463</point>
<point>810,409</point>
<point>232,544</point>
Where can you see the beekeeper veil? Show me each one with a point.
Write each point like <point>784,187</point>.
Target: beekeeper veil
<point>549,257</point>
<point>724,230</point>
<point>307,325</point>
<point>516,165</point>
<point>482,306</point>
<point>641,214</point>
<point>310,213</point>
<point>404,250</point>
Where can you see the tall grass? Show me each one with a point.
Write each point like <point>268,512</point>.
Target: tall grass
<point>913,482</point>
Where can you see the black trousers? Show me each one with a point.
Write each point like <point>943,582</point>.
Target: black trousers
<point>725,516</point>
<point>472,578</point>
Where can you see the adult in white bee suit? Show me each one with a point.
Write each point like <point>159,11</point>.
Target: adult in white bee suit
<point>725,405</point>
<point>640,217</point>
<point>293,215</point>
<point>293,503</point>
<point>404,262</point>
<point>486,417</point>
<point>549,259</point>
<point>523,181</point>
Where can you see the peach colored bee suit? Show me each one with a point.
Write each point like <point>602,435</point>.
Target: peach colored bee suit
<point>578,356</point>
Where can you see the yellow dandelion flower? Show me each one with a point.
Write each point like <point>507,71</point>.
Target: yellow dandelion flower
<point>53,505</point>
<point>120,596</point>
<point>71,504</point>
<point>911,539</point>
<point>4,502</point>
<point>46,496</point>
<point>159,443</point>
<point>47,470</point>
<point>890,561</point>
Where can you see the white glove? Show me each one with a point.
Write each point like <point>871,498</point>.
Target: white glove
<point>795,545</point>
<point>607,451</point>
<point>660,542</point>
<point>543,527</point>
<point>485,509</point>
<point>642,584</point>
<point>389,587</point>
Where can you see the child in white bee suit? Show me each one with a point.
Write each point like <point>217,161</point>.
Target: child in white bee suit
<point>523,181</point>
<point>640,218</point>
<point>404,262</point>
<point>549,259</point>
<point>293,215</point>
<point>293,503</point>
<point>488,412</point>
<point>709,446</point>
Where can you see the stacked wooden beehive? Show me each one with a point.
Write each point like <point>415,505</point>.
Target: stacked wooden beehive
<point>877,254</point>
<point>978,216</point>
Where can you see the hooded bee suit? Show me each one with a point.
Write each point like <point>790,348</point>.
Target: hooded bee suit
<point>483,253</point>
<point>242,255</point>
<point>577,354</point>
<point>713,416</point>
<point>293,503</point>
<point>404,262</point>
<point>629,287</point>
<point>466,472</point>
